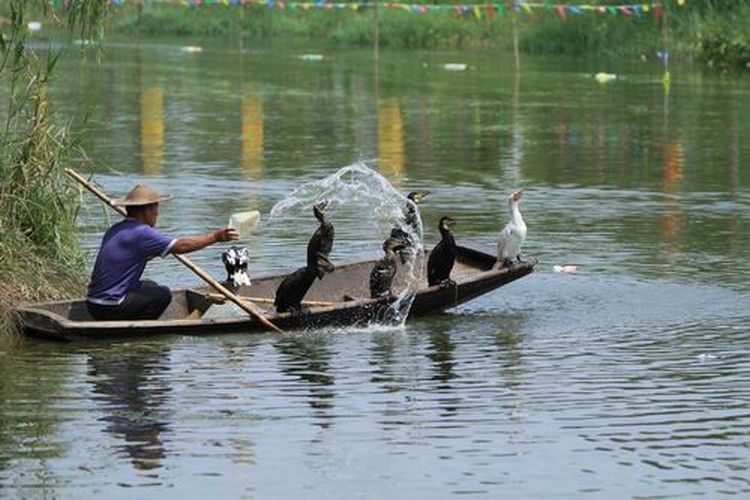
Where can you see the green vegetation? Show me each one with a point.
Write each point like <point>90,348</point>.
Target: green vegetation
<point>39,254</point>
<point>708,30</point>
<point>720,34</point>
<point>343,27</point>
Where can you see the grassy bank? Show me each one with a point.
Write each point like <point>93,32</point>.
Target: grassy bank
<point>40,257</point>
<point>713,32</point>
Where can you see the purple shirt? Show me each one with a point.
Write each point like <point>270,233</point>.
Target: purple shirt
<point>126,247</point>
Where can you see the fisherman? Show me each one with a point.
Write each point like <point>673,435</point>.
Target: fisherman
<point>116,291</point>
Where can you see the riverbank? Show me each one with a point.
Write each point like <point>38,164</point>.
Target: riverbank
<point>26,276</point>
<point>702,32</point>
<point>40,256</point>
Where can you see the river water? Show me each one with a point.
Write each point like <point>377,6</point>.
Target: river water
<point>625,379</point>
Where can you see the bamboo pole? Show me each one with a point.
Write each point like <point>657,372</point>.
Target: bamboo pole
<point>268,300</point>
<point>245,306</point>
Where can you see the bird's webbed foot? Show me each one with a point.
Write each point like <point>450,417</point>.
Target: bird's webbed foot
<point>449,283</point>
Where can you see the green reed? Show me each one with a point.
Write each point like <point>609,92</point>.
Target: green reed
<point>40,257</point>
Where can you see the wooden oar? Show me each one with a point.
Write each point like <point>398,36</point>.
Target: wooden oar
<point>245,306</point>
<point>268,300</point>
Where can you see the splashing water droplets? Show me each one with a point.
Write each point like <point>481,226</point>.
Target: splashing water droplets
<point>363,207</point>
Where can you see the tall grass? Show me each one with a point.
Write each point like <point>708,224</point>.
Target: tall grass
<point>39,254</point>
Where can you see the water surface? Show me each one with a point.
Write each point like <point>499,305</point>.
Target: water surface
<point>625,380</point>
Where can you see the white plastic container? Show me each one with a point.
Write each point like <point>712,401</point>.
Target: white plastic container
<point>244,222</point>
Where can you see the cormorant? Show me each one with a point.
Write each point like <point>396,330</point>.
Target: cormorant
<point>320,245</point>
<point>293,288</point>
<point>382,274</point>
<point>236,260</point>
<point>410,223</point>
<point>443,256</point>
<point>513,234</point>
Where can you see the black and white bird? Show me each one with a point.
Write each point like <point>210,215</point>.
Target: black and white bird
<point>443,256</point>
<point>513,234</point>
<point>381,276</point>
<point>236,261</point>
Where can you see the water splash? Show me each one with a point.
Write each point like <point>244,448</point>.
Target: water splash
<point>364,207</point>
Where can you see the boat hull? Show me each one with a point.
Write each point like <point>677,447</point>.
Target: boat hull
<point>341,299</point>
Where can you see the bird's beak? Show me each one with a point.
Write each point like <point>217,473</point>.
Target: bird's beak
<point>418,196</point>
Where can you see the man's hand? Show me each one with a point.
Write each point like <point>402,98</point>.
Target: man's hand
<point>226,234</point>
<point>193,243</point>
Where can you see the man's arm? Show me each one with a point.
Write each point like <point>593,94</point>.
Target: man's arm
<point>193,243</point>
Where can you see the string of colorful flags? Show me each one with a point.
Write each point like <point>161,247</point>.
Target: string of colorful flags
<point>637,10</point>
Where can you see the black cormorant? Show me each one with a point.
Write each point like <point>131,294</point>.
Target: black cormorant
<point>409,225</point>
<point>382,274</point>
<point>321,243</point>
<point>293,288</point>
<point>443,256</point>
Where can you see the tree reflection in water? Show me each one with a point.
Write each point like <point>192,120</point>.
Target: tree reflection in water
<point>129,382</point>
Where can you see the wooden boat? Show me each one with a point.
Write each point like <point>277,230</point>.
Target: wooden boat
<point>340,299</point>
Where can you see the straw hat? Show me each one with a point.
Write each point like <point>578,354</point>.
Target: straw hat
<point>141,195</point>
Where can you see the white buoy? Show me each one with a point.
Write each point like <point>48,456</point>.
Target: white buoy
<point>34,26</point>
<point>310,57</point>
<point>455,66</point>
<point>192,48</point>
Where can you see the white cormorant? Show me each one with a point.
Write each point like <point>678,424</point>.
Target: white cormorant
<point>513,234</point>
